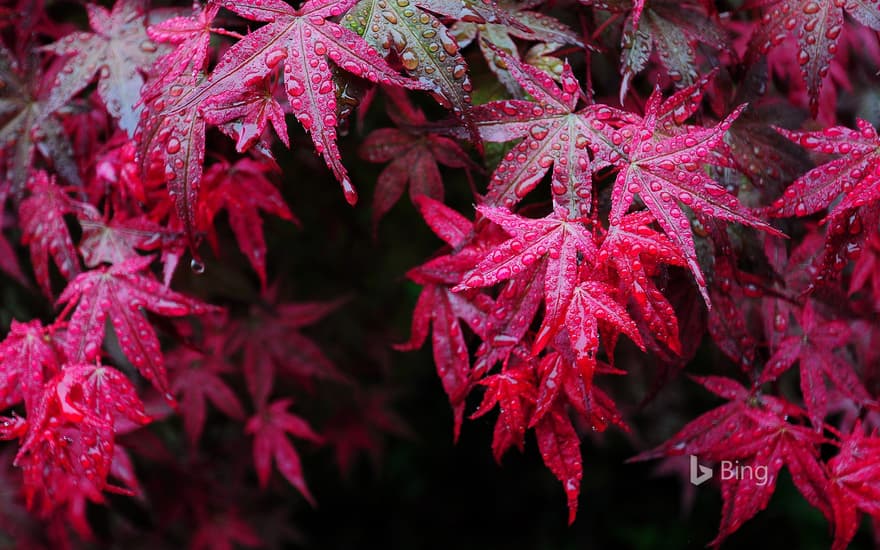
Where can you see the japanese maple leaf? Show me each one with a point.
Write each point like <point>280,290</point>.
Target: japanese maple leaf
<point>814,350</point>
<point>529,25</point>
<point>414,157</point>
<point>243,190</point>
<point>674,30</point>
<point>362,427</point>
<point>753,430</point>
<point>819,24</point>
<point>30,355</point>
<point>244,116</point>
<point>440,311</point>
<point>854,483</point>
<point>191,37</point>
<point>560,383</point>
<point>514,311</point>
<point>270,427</point>
<point>514,391</point>
<point>124,294</point>
<point>196,379</point>
<point>562,241</point>
<point>69,448</point>
<point>666,172</point>
<point>27,125</point>
<point>118,51</point>
<point>559,445</point>
<point>304,42</point>
<point>9,264</point>
<point>44,230</point>
<point>424,47</point>
<point>119,239</point>
<point>272,342</point>
<point>553,134</point>
<point>632,244</point>
<point>854,177</point>
<point>592,302</point>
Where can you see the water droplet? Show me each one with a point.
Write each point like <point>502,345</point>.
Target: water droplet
<point>538,132</point>
<point>196,266</point>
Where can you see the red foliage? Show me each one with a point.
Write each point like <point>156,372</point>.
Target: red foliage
<point>684,189</point>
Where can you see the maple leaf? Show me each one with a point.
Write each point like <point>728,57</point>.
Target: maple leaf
<point>814,351</point>
<point>514,310</point>
<point>271,342</point>
<point>123,293</point>
<point>191,37</point>
<point>67,453</point>
<point>553,134</point>
<point>119,239</point>
<point>360,429</point>
<point>522,23</point>
<point>853,175</point>
<point>514,391</point>
<point>754,430</point>
<point>560,448</point>
<point>30,355</point>
<point>674,30</point>
<point>27,126</point>
<point>118,51</point>
<point>270,427</point>
<point>414,158</point>
<point>854,482</point>
<point>304,42</point>
<point>424,47</point>
<point>245,115</point>
<point>561,382</point>
<point>196,380</point>
<point>819,24</point>
<point>243,189</point>
<point>44,229</point>
<point>666,172</point>
<point>440,310</point>
<point>632,245</point>
<point>532,239</point>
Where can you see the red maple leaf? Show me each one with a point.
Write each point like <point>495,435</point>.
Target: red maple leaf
<point>818,24</point>
<point>676,31</point>
<point>750,430</point>
<point>813,348</point>
<point>67,453</point>
<point>553,134</point>
<point>243,189</point>
<point>44,230</point>
<point>118,52</point>
<point>854,483</point>
<point>30,355</point>
<point>560,448</point>
<point>272,342</point>
<point>414,156</point>
<point>123,294</point>
<point>196,378</point>
<point>514,391</point>
<point>270,427</point>
<point>303,42</point>
<point>666,172</point>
